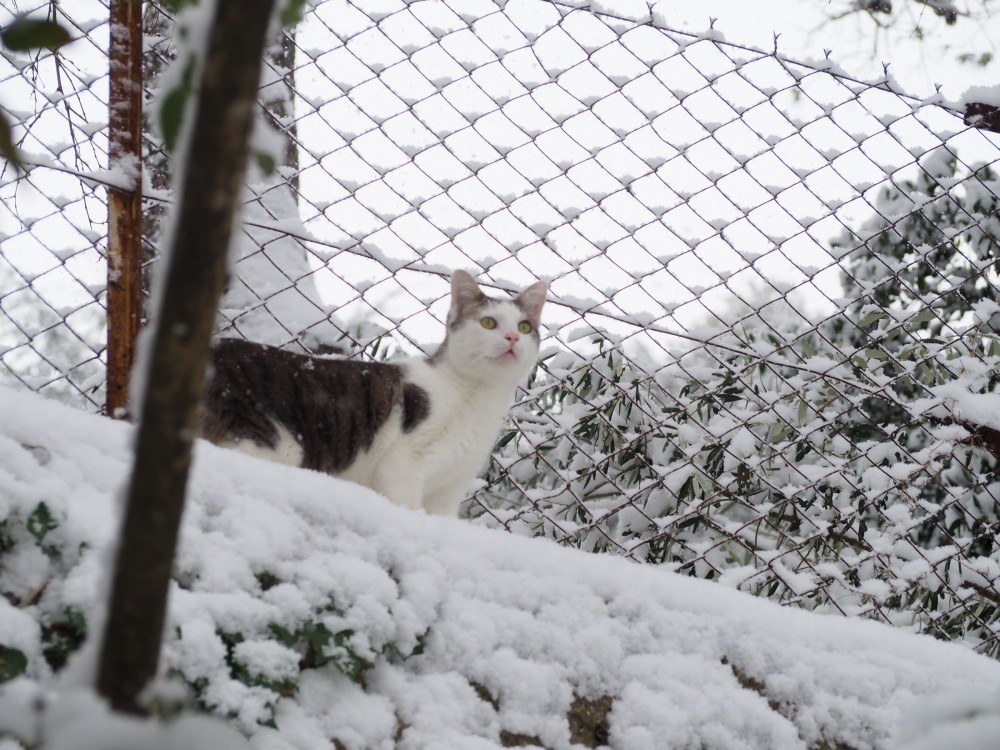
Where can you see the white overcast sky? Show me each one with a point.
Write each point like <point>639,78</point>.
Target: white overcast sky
<point>806,32</point>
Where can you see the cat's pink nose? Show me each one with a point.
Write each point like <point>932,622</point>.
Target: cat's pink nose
<point>512,337</point>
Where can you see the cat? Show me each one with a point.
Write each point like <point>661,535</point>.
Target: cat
<point>417,431</point>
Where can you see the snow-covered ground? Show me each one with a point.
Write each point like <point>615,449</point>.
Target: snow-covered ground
<point>313,614</point>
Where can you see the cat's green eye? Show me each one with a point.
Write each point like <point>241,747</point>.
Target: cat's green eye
<point>489,323</point>
<point>525,327</point>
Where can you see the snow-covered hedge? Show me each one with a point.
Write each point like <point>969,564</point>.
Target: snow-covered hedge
<point>313,614</point>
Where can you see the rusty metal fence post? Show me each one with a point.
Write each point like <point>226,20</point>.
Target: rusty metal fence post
<point>124,200</point>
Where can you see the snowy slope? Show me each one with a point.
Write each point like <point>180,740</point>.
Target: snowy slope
<point>316,615</point>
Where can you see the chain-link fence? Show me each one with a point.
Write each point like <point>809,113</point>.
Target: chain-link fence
<point>772,343</point>
<point>52,222</point>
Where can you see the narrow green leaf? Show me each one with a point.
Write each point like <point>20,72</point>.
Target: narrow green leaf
<point>175,6</point>
<point>268,165</point>
<point>871,317</point>
<point>291,12</point>
<point>174,105</point>
<point>172,115</point>
<point>924,316</point>
<point>25,34</point>
<point>8,150</point>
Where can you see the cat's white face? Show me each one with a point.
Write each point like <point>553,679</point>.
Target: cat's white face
<point>498,334</point>
<point>491,338</point>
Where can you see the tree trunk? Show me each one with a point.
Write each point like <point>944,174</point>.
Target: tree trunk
<point>195,269</point>
<point>280,107</point>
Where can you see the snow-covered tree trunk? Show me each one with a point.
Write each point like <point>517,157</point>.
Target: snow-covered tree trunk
<point>272,295</point>
<point>195,272</point>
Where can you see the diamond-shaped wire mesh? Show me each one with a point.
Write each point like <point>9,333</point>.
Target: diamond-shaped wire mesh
<point>52,222</point>
<point>772,341</point>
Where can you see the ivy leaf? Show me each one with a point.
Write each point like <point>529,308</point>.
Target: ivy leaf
<point>12,663</point>
<point>40,522</point>
<point>25,34</point>
<point>345,659</point>
<point>283,635</point>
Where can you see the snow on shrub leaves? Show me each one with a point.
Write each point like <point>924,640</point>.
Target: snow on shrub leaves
<point>290,583</point>
<point>779,475</point>
<point>845,465</point>
<point>255,606</point>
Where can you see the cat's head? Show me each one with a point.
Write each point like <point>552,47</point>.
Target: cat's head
<point>491,337</point>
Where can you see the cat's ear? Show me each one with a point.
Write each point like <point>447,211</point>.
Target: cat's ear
<point>532,299</point>
<point>465,295</point>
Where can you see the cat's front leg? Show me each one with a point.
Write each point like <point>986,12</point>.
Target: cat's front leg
<point>402,483</point>
<point>445,499</point>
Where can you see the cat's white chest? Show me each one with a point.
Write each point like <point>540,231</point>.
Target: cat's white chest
<point>460,426</point>
<point>460,436</point>
<point>453,445</point>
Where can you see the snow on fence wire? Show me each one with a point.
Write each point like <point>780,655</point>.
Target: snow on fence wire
<point>52,223</point>
<point>772,351</point>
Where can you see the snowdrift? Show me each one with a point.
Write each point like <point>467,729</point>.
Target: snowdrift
<point>313,614</point>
